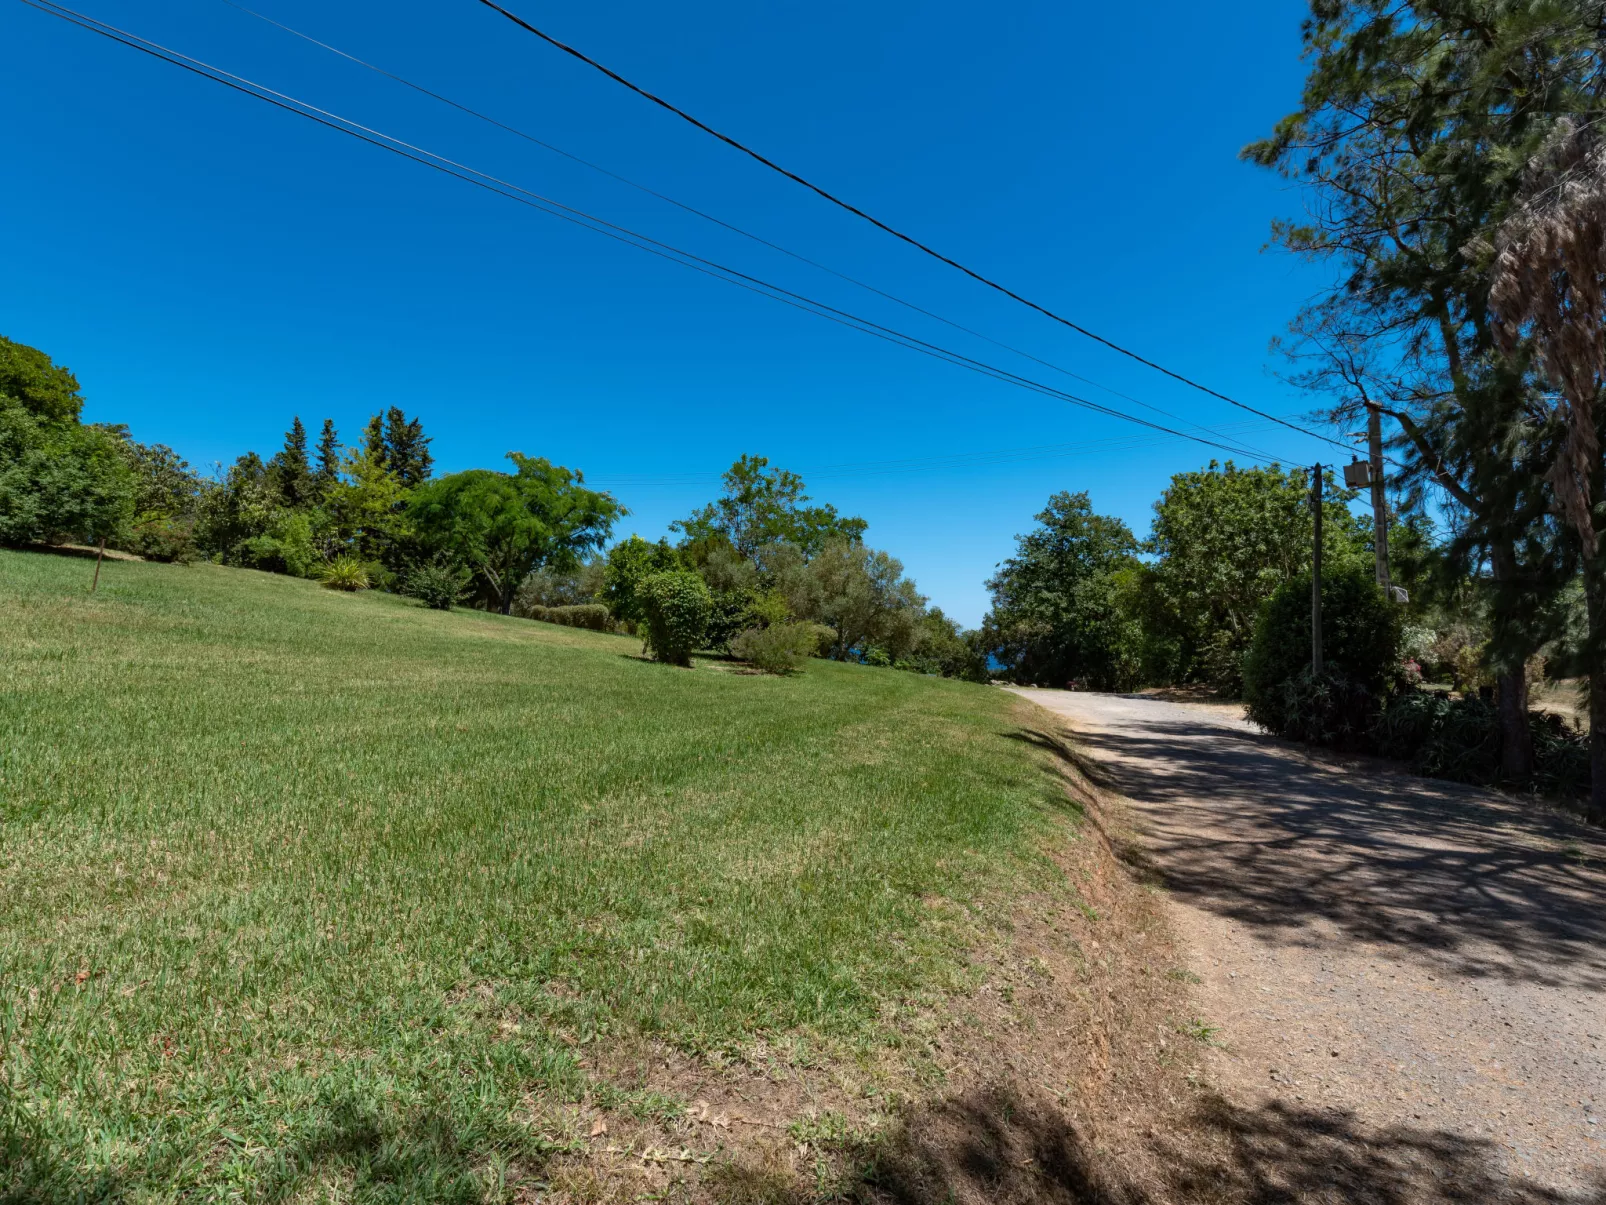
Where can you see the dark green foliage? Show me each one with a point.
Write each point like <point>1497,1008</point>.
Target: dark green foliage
<point>163,539</point>
<point>1057,615</point>
<point>781,648</point>
<point>30,382</point>
<point>1441,737</point>
<point>60,480</point>
<point>407,449</point>
<point>1360,635</point>
<point>399,443</point>
<point>1225,538</point>
<point>291,471</point>
<point>436,584</point>
<point>165,486</point>
<point>630,562</point>
<point>1460,738</point>
<point>592,616</point>
<point>561,588</point>
<point>946,650</point>
<point>504,525</point>
<point>1360,653</point>
<point>677,607</point>
<point>1329,708</point>
<point>328,470</point>
<point>761,507</point>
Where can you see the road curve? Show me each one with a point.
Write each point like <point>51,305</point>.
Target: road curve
<point>1412,956</point>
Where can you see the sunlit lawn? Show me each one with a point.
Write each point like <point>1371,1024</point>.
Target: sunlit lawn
<point>295,884</point>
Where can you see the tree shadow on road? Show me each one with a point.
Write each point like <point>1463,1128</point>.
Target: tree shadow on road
<point>1252,829</point>
<point>998,1146</point>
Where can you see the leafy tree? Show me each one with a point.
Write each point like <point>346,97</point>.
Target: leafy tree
<point>859,593</point>
<point>504,525</point>
<point>762,507</point>
<point>58,477</point>
<point>1360,651</point>
<point>60,480</point>
<point>630,562</point>
<point>1224,539</point>
<point>31,382</point>
<point>165,486</point>
<point>368,513</point>
<point>1055,616</point>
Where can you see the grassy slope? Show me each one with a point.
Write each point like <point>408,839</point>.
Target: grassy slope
<point>286,874</point>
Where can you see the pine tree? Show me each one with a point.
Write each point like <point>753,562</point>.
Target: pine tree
<point>292,474</point>
<point>407,448</point>
<point>373,440</point>
<point>328,457</point>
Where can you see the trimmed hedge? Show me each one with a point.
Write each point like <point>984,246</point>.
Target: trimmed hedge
<point>592,616</point>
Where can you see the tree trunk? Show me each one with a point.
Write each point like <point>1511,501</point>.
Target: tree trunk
<point>1595,598</point>
<point>1511,708</point>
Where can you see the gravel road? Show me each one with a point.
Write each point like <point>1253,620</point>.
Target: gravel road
<point>1422,962</point>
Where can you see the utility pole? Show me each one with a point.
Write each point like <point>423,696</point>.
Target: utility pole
<point>1380,502</point>
<point>1316,571</point>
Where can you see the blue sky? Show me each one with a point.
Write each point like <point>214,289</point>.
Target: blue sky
<point>211,267</point>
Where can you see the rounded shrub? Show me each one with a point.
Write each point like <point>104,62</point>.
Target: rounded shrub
<point>781,648</point>
<point>1360,659</point>
<point>677,608</point>
<point>435,585</point>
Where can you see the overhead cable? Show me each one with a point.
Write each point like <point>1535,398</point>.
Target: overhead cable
<point>894,231</point>
<point>598,225</point>
<point>702,214</point>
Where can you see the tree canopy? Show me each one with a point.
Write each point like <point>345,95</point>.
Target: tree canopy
<point>504,525</point>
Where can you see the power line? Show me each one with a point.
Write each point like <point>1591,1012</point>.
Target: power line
<point>590,222</point>
<point>705,216</point>
<point>896,233</point>
<point>917,464</point>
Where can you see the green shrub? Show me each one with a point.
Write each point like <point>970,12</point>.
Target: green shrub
<point>1360,655</point>
<point>163,539</point>
<point>781,648</point>
<point>677,609</point>
<point>437,586</point>
<point>345,573</point>
<point>1328,708</point>
<point>1459,739</point>
<point>593,616</point>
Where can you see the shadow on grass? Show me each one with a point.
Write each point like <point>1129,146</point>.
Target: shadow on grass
<point>352,1153</point>
<point>998,1146</point>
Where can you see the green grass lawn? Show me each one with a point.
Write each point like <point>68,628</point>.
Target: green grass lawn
<point>300,888</point>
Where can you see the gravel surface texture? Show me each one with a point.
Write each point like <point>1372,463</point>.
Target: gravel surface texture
<point>1419,963</point>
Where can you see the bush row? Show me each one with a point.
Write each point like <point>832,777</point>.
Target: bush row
<point>592,616</point>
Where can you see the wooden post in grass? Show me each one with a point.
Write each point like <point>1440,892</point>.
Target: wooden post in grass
<point>1316,573</point>
<point>95,585</point>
